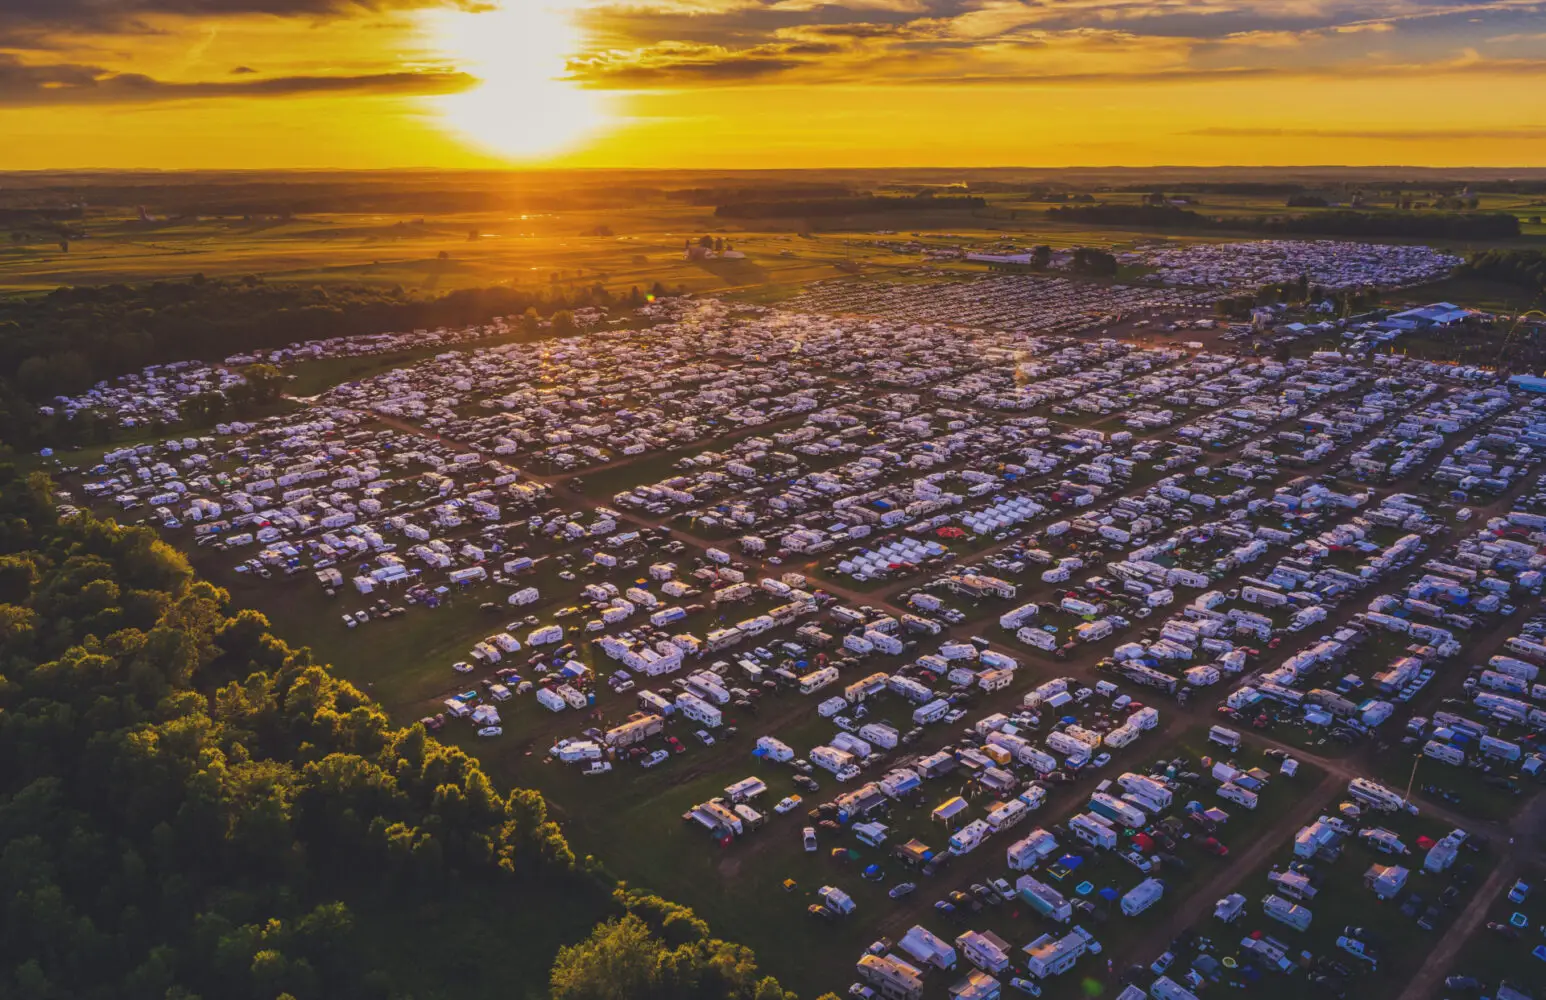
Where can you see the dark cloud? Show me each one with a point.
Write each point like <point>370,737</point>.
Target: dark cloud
<point>67,84</point>
<point>683,71</point>
<point>97,15</point>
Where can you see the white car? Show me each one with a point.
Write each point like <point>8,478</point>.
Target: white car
<point>808,835</point>
<point>658,757</point>
<point>788,804</point>
<point>491,731</point>
<point>462,667</point>
<point>597,767</point>
<point>1025,986</point>
<point>349,621</point>
<point>704,737</point>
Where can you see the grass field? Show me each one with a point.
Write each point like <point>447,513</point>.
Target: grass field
<point>1492,956</point>
<point>619,247</point>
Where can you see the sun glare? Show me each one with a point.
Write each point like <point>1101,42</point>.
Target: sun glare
<point>522,109</point>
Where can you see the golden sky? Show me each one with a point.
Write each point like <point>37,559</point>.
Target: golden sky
<point>769,83</point>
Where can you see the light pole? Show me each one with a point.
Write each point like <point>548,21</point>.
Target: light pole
<point>1413,777</point>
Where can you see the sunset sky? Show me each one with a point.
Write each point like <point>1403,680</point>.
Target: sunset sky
<point>769,83</point>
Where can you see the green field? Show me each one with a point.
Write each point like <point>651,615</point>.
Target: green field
<point>619,247</point>
<point>1492,955</point>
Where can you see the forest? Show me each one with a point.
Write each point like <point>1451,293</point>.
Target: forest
<point>192,808</point>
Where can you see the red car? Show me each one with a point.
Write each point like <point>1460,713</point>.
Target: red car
<point>675,745</point>
<point>1213,847</point>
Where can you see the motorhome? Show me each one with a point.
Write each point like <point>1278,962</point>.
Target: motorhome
<point>969,837</point>
<point>1035,847</point>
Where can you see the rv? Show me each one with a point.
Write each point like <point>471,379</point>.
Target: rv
<point>932,712</point>
<point>922,946</point>
<point>1227,738</point>
<point>1044,899</point>
<point>1376,796</point>
<point>1093,830</point>
<point>775,750</point>
<point>1286,912</point>
<point>1444,753</point>
<point>890,978</point>
<point>1026,854</point>
<point>987,951</point>
<point>969,837</point>
<point>1142,896</point>
<point>1231,792</point>
<point>817,679</point>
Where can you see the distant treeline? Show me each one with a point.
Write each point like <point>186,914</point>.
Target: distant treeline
<point>39,216</point>
<point>1148,216</point>
<point>1442,225</point>
<point>1526,268</point>
<point>65,342</point>
<point>1275,189</point>
<point>706,196</point>
<point>830,207</point>
<point>69,339</point>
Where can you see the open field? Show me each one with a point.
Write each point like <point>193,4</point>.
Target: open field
<point>1495,954</point>
<point>620,245</point>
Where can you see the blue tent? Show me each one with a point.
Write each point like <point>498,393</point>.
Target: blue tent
<point>1108,894</point>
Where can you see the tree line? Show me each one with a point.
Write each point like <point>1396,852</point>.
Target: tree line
<point>1441,225</point>
<point>830,207</point>
<point>1526,268</point>
<point>192,808</point>
<point>68,340</point>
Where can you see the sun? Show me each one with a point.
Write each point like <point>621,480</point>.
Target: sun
<point>522,108</point>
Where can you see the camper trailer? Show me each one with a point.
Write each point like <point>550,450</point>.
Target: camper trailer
<point>1286,912</point>
<point>1142,896</point>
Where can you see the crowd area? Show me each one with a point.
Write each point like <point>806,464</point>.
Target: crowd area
<point>1329,264</point>
<point>966,570</point>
